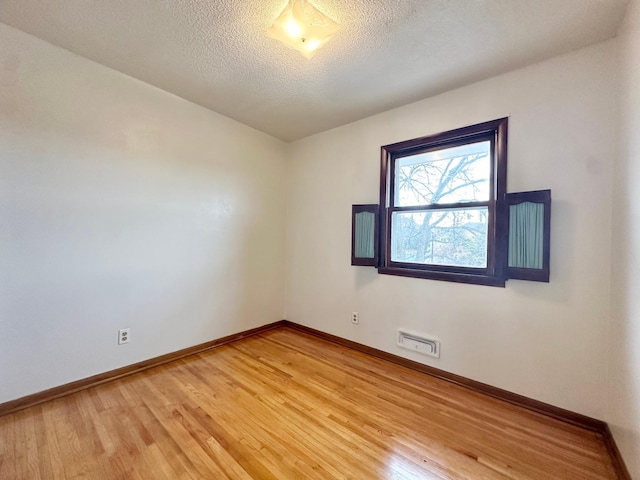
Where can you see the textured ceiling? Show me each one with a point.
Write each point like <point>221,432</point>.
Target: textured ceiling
<point>388,53</point>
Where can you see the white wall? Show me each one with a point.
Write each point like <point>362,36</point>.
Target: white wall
<point>124,206</point>
<point>624,387</point>
<point>545,341</point>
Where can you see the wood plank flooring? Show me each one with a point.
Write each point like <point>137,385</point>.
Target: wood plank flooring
<point>285,405</point>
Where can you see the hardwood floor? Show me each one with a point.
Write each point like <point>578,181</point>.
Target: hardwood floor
<point>286,405</point>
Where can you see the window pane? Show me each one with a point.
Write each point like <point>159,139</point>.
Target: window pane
<point>441,237</point>
<point>449,175</point>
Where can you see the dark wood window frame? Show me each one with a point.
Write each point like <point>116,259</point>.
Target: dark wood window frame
<point>494,274</point>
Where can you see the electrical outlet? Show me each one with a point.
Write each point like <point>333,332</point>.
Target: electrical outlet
<point>123,336</point>
<point>355,318</point>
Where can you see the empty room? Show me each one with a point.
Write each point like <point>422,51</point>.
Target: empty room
<point>319,239</point>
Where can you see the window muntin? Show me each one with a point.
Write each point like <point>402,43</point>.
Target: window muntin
<point>441,217</point>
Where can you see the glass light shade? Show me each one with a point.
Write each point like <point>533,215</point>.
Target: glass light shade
<point>303,27</point>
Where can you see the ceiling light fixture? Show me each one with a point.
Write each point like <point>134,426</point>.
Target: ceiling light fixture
<point>303,27</point>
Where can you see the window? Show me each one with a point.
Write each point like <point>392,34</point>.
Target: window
<point>443,212</point>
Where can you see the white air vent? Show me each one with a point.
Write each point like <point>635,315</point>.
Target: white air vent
<point>418,343</point>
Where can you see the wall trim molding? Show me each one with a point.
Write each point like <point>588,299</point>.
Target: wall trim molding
<point>567,416</point>
<point>34,399</point>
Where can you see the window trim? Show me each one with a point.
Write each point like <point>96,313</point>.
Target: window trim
<point>495,273</point>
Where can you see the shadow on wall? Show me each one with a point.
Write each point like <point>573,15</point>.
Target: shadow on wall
<point>624,372</point>
<point>624,341</point>
<point>365,276</point>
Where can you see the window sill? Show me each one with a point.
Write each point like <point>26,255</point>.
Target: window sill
<point>444,276</point>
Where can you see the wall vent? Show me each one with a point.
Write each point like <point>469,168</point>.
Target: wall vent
<point>419,343</point>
